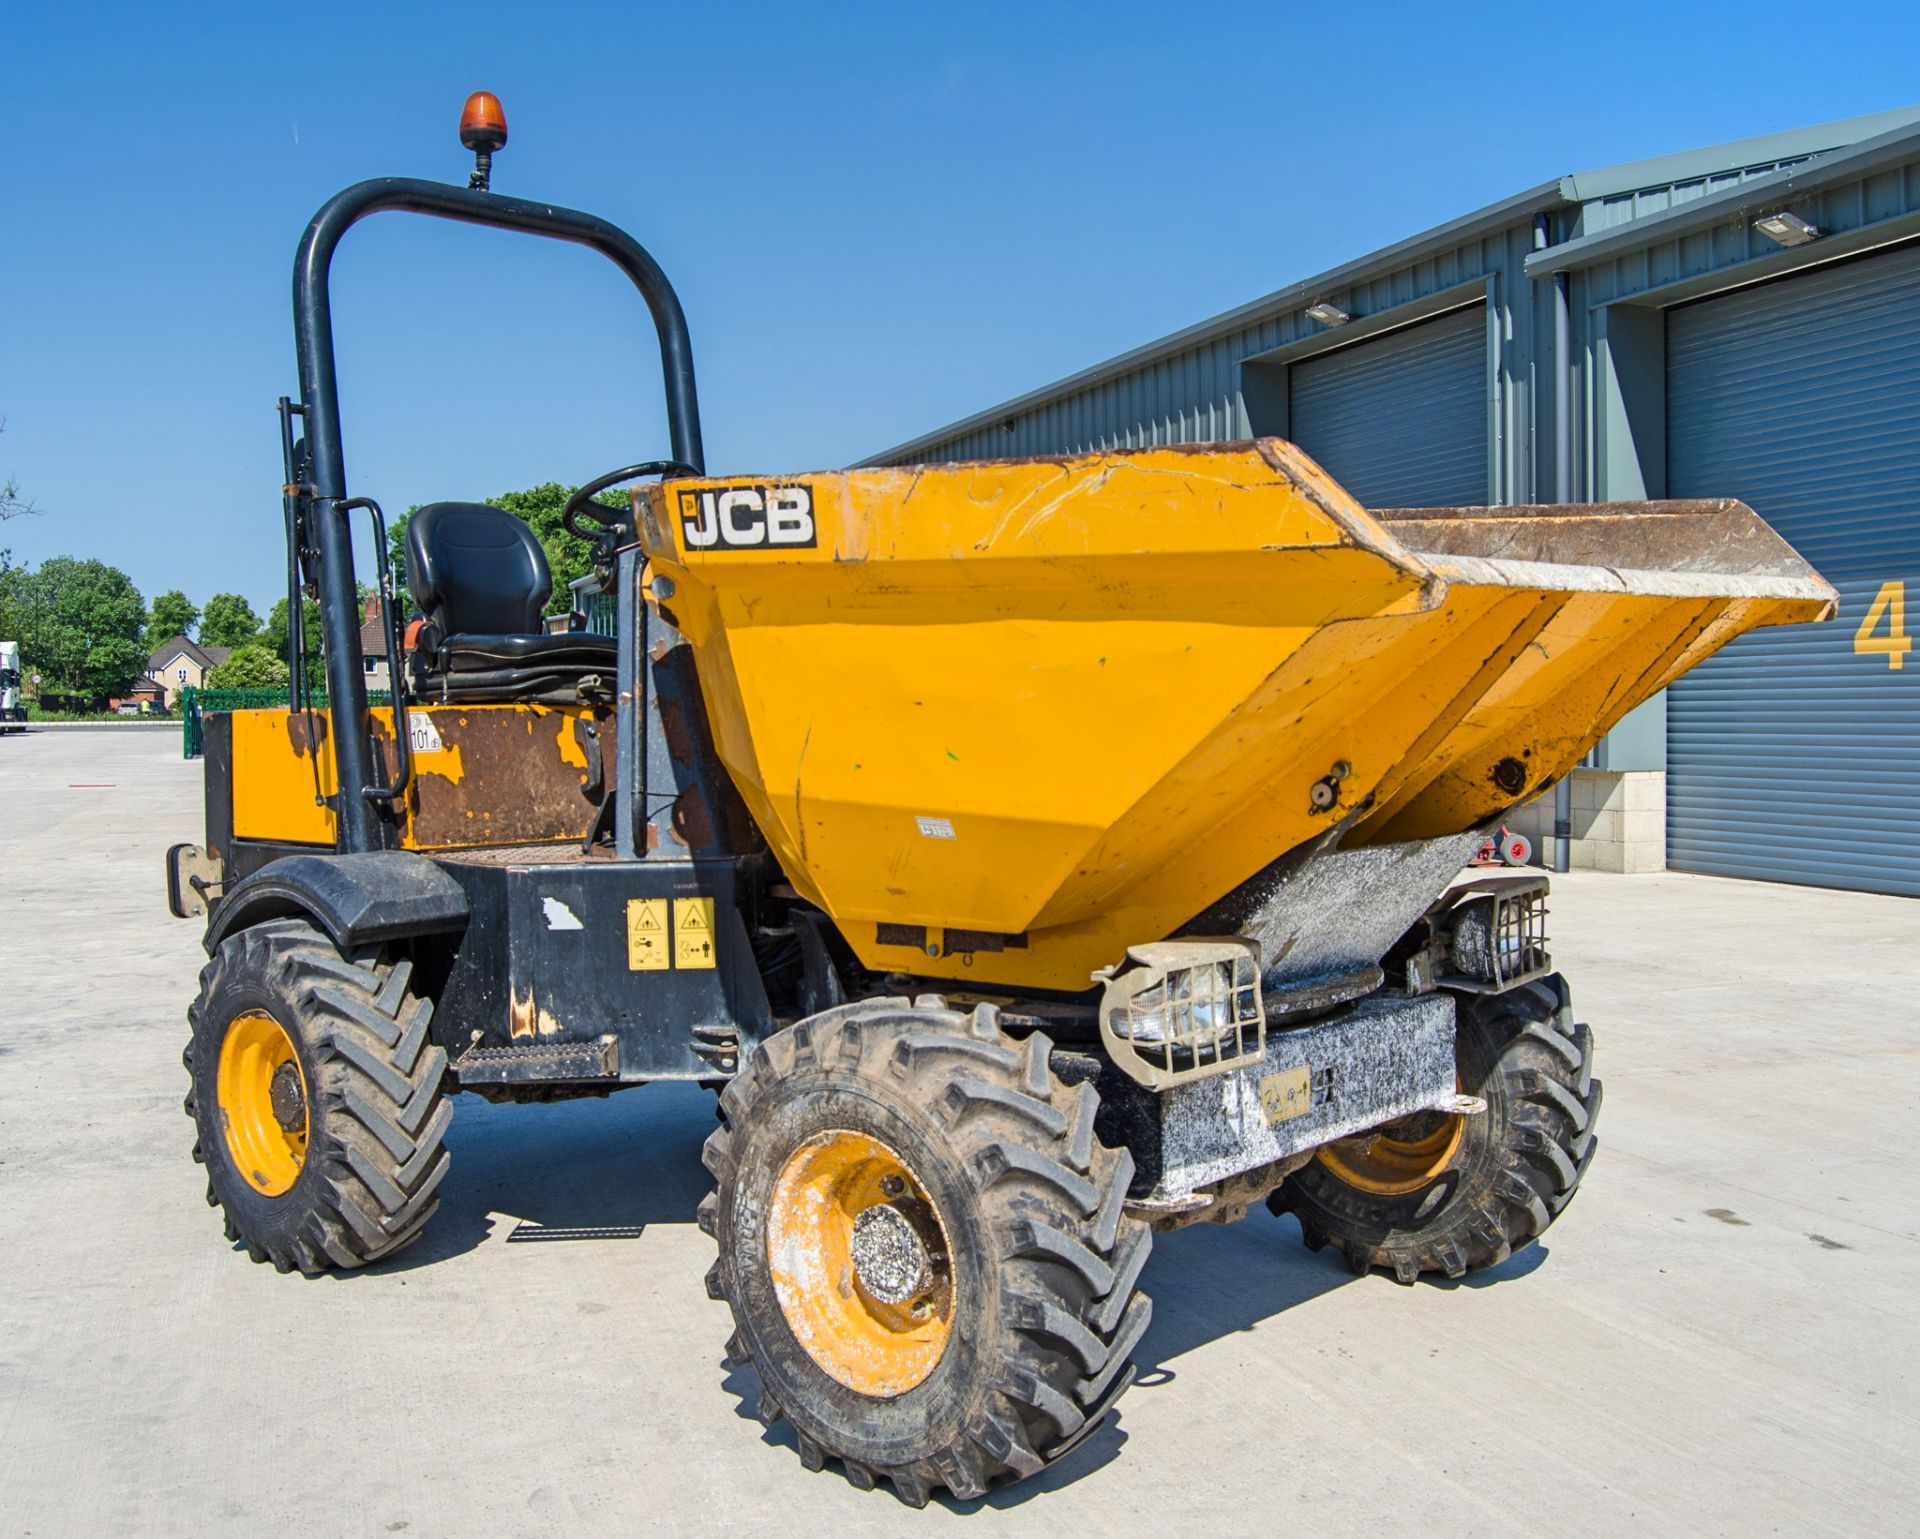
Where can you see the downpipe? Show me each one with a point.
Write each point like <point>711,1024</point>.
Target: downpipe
<point>1562,490</point>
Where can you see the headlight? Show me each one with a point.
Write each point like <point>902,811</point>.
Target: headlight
<point>1179,1009</point>
<point>1500,938</point>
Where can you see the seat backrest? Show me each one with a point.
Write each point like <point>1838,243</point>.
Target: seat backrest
<point>476,571</point>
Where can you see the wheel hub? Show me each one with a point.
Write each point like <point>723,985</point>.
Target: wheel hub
<point>288,1099</point>
<point>890,1259</point>
<point>263,1103</point>
<point>860,1263</point>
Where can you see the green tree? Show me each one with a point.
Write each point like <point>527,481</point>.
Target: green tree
<point>86,627</point>
<point>276,638</point>
<point>11,580</point>
<point>228,621</point>
<point>12,504</point>
<point>251,667</point>
<point>173,614</point>
<point>540,508</point>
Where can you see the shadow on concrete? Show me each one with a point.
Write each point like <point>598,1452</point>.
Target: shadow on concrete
<point>591,1170</point>
<point>605,1170</point>
<point>1214,1280</point>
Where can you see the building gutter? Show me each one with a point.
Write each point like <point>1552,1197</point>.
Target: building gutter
<point>1562,476</point>
<point>1735,205</point>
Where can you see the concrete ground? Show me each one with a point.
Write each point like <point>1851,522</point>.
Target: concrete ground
<point>1719,1338</point>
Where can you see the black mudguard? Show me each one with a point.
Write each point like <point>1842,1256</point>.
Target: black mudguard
<point>358,900</point>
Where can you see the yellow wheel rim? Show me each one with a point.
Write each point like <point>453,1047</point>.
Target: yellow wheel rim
<point>263,1103</point>
<point>1390,1166</point>
<point>860,1263</point>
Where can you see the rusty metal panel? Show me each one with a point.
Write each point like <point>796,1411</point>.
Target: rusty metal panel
<point>502,774</point>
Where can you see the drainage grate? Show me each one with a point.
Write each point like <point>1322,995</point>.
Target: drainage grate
<point>525,1234</point>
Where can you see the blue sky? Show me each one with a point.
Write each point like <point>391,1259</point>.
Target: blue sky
<point>879,217</point>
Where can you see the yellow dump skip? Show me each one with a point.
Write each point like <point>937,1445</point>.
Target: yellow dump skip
<point>1003,719</point>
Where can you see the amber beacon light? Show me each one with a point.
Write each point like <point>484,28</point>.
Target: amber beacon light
<point>483,129</point>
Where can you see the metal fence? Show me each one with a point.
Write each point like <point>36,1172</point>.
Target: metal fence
<point>195,703</point>
<point>602,614</point>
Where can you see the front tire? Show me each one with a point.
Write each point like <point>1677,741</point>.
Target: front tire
<point>986,1327</point>
<point>318,1103</point>
<point>1437,1193</point>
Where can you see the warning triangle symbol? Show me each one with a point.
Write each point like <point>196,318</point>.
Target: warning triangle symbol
<point>693,917</point>
<point>645,914</point>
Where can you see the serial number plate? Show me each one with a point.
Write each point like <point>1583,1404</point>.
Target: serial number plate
<point>1286,1095</point>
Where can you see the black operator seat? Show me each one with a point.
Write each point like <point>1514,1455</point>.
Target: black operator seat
<point>480,579</point>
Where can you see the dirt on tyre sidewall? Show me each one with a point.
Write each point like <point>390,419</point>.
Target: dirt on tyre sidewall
<point>1516,1166</point>
<point>1044,1264</point>
<point>375,1103</point>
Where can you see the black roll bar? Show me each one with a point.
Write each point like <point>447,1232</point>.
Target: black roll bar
<point>358,825</point>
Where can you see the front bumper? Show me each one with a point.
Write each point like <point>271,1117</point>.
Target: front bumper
<point>1384,1057</point>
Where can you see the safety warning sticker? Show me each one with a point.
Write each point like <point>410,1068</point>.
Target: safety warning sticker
<point>647,935</point>
<point>693,932</point>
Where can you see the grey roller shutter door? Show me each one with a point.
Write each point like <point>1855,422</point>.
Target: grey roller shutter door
<point>1400,421</point>
<point>1793,755</point>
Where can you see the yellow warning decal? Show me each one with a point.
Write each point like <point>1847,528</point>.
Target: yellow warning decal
<point>693,932</point>
<point>647,935</point>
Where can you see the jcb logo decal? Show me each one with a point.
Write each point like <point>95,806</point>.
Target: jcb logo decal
<point>749,518</point>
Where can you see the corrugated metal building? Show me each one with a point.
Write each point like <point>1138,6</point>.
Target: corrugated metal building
<point>1641,331</point>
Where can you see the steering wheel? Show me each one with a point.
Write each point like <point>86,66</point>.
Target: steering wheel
<point>585,519</point>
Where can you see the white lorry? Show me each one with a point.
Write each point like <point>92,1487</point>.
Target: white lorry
<point>13,710</point>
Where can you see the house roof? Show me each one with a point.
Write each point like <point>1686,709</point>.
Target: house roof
<point>373,631</point>
<point>206,657</point>
<point>1563,192</point>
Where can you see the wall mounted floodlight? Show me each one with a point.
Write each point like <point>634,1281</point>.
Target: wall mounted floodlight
<point>1785,229</point>
<point>1328,314</point>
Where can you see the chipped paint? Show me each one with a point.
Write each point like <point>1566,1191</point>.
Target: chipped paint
<point>527,1020</point>
<point>567,741</point>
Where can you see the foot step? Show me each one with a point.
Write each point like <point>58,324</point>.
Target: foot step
<point>540,1061</point>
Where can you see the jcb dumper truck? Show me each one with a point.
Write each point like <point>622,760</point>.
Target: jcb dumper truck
<point>1036,855</point>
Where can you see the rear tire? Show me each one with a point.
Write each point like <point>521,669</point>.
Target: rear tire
<point>1495,1188</point>
<point>361,1167</point>
<point>1037,1262</point>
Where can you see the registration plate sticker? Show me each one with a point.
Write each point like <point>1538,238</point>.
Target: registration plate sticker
<point>422,735</point>
<point>1286,1095</point>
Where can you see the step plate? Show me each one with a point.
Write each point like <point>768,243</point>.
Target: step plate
<point>539,1063</point>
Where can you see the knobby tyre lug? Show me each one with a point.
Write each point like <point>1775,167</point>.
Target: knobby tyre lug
<point>1516,1166</point>
<point>1045,1264</point>
<point>376,1105</point>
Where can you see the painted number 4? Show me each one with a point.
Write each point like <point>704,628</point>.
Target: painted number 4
<point>1889,606</point>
